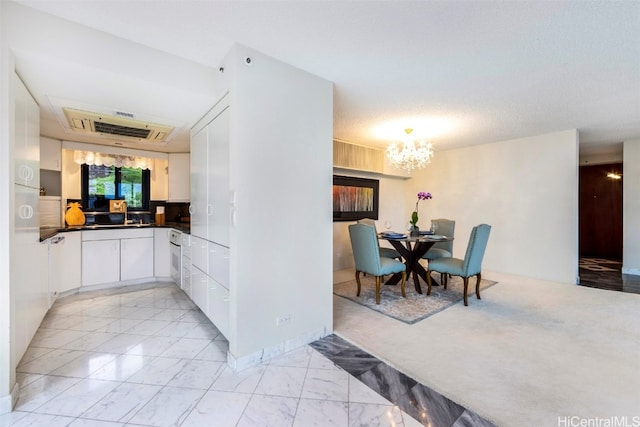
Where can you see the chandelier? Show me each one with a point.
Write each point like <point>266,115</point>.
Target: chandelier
<point>412,155</point>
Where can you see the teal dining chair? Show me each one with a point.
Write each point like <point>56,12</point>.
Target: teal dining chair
<point>366,254</point>
<point>444,227</point>
<point>384,252</point>
<point>470,266</point>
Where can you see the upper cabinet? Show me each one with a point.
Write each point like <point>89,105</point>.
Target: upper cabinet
<point>179,177</point>
<point>27,137</point>
<point>50,154</point>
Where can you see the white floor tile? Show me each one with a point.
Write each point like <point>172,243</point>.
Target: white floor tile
<point>32,353</point>
<point>215,350</point>
<point>326,384</point>
<point>318,361</point>
<point>85,364</point>
<point>41,420</point>
<point>186,348</point>
<point>52,361</point>
<point>176,329</point>
<point>123,402</point>
<point>296,359</point>
<point>148,327</point>
<point>321,413</point>
<point>23,379</point>
<point>90,341</point>
<point>267,411</point>
<point>40,391</point>
<point>121,368</point>
<point>204,330</point>
<point>158,371</point>
<point>197,374</point>
<point>218,408</point>
<point>78,398</point>
<point>119,325</point>
<point>120,344</point>
<point>240,382</point>
<point>80,422</point>
<point>153,346</point>
<point>170,407</point>
<point>54,338</point>
<point>10,418</point>
<point>281,381</point>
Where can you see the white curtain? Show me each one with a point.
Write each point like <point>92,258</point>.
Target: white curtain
<point>95,158</point>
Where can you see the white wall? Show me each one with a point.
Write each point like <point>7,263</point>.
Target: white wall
<point>631,208</point>
<point>526,189</point>
<point>281,129</point>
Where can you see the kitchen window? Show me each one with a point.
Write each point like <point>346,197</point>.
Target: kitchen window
<point>101,183</point>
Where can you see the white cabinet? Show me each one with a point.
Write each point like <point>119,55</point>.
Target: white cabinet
<point>50,154</point>
<point>199,289</point>
<point>27,137</point>
<point>199,253</point>
<point>109,256</point>
<point>218,265</point>
<point>211,215</point>
<point>136,258</point>
<point>210,198</point>
<point>199,187</point>
<point>161,253</point>
<point>179,179</point>
<point>28,281</point>
<point>70,266</point>
<point>218,306</point>
<point>100,262</point>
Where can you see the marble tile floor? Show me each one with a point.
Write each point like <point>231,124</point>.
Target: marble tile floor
<point>146,356</point>
<point>607,274</point>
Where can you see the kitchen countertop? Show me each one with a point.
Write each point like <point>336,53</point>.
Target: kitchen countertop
<point>48,232</point>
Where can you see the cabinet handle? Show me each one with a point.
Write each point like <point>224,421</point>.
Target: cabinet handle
<point>191,209</point>
<point>25,173</point>
<point>25,212</point>
<point>209,210</point>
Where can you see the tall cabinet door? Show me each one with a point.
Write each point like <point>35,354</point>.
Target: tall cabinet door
<point>199,187</point>
<point>219,179</point>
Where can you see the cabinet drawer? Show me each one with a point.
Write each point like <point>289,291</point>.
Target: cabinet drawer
<point>219,264</point>
<point>199,289</point>
<point>199,251</point>
<point>218,311</point>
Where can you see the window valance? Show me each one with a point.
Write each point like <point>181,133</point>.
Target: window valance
<point>118,160</point>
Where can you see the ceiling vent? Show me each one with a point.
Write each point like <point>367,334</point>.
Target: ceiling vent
<point>121,126</point>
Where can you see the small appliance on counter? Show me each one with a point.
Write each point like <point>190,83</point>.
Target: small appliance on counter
<point>160,215</point>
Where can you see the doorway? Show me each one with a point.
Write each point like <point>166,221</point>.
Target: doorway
<point>601,211</point>
<point>600,224</point>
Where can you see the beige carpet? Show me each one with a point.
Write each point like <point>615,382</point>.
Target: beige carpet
<point>530,353</point>
<point>415,306</point>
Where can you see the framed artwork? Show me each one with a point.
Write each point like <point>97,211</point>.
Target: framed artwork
<point>355,198</point>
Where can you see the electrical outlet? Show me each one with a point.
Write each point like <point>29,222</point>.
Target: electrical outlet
<point>285,319</point>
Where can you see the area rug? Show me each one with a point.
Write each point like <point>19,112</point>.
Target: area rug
<point>414,307</point>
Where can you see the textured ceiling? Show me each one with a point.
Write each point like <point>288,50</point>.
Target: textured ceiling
<point>460,73</point>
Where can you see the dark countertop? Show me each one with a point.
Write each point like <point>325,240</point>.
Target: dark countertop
<point>48,232</point>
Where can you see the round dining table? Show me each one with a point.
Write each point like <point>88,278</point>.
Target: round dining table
<point>411,249</point>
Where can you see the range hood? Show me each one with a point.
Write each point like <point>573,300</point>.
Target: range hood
<point>121,126</point>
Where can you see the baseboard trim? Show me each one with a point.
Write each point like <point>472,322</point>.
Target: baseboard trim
<point>267,353</point>
<point>633,271</point>
<point>8,402</point>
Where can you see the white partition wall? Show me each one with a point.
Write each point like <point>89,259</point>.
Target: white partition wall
<point>280,178</point>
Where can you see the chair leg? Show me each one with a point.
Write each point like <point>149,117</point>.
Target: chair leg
<point>358,281</point>
<point>377,289</point>
<point>478,285</point>
<point>466,287</point>
<point>428,282</point>
<point>443,280</point>
<point>404,280</point>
